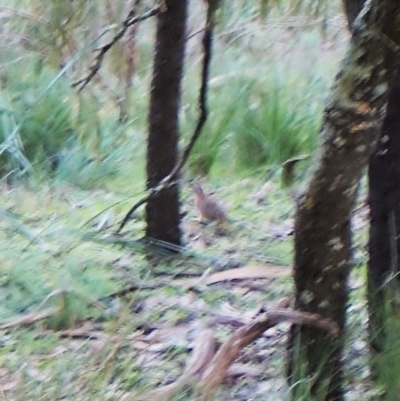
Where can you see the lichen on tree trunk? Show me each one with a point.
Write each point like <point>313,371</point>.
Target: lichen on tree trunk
<point>323,245</point>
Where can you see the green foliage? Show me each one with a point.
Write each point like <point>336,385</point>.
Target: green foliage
<point>43,122</point>
<point>47,123</point>
<point>27,283</point>
<point>256,122</point>
<point>36,112</point>
<point>254,119</point>
<point>272,126</point>
<point>304,387</point>
<point>233,13</point>
<point>386,365</point>
<point>265,104</point>
<point>206,151</point>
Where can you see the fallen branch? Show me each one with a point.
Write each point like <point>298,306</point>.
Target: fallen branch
<point>75,334</point>
<point>204,350</point>
<point>209,368</point>
<point>130,20</point>
<point>239,273</point>
<point>41,314</point>
<point>28,320</point>
<point>135,287</point>
<point>244,336</point>
<point>171,179</point>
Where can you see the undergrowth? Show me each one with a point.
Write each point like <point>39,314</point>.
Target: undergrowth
<point>55,255</point>
<point>260,114</point>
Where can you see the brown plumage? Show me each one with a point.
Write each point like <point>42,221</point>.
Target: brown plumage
<point>209,207</point>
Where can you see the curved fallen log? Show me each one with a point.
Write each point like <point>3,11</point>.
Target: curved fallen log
<point>208,367</point>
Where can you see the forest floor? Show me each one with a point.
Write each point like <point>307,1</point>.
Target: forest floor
<point>87,315</point>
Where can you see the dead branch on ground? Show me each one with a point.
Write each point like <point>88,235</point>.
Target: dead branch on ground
<point>209,368</point>
<point>226,355</point>
<point>29,319</point>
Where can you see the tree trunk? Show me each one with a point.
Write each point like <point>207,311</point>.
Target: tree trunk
<point>352,8</point>
<point>323,246</point>
<point>162,210</point>
<point>384,203</point>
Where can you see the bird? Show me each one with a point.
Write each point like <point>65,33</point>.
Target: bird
<point>209,207</point>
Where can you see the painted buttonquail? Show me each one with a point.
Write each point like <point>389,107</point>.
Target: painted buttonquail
<point>209,208</point>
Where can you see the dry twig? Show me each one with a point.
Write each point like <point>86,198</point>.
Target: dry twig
<point>29,319</point>
<point>130,20</point>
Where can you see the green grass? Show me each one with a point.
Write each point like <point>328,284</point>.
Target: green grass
<point>262,111</point>
<point>82,271</point>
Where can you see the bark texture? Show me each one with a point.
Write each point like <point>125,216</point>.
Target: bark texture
<point>384,203</point>
<point>323,247</point>
<point>162,210</point>
<point>352,8</point>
